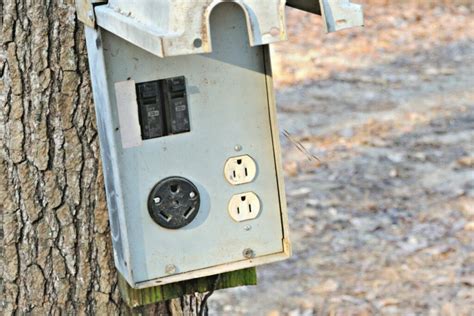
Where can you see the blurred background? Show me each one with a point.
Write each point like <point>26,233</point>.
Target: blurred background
<point>378,144</point>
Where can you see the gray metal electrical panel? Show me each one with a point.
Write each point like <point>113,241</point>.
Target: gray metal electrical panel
<point>188,135</point>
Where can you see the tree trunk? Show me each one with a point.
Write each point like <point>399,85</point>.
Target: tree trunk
<point>57,251</point>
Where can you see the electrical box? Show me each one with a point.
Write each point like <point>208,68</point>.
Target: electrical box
<point>188,134</point>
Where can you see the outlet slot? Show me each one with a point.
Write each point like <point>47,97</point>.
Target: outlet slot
<point>174,188</point>
<point>189,212</point>
<point>240,170</point>
<point>165,216</point>
<point>244,206</point>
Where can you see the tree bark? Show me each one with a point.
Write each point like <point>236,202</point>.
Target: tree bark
<point>57,251</point>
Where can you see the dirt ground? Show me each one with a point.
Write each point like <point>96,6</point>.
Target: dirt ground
<point>383,222</point>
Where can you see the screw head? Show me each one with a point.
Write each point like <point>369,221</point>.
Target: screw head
<point>170,269</point>
<point>248,253</point>
<point>238,147</point>
<point>247,227</point>
<point>192,194</point>
<point>157,200</point>
<point>197,43</point>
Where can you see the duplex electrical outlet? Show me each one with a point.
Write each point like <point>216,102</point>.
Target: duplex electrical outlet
<point>240,170</point>
<point>244,206</point>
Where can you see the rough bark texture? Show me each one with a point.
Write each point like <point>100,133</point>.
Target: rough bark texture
<point>57,253</point>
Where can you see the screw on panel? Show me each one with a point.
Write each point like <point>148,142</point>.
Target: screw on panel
<point>248,253</point>
<point>170,269</point>
<point>247,227</point>
<point>197,43</point>
<point>157,200</point>
<point>238,148</point>
<point>192,194</point>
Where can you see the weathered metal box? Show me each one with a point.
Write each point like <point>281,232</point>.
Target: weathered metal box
<point>231,115</point>
<point>188,134</point>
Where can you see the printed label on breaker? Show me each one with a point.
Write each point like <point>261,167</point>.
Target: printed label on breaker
<point>179,116</point>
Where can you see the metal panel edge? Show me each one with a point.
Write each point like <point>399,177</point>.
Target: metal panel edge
<point>107,150</point>
<point>277,150</point>
<point>279,256</point>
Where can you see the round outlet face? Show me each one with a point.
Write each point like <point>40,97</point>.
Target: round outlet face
<point>174,202</point>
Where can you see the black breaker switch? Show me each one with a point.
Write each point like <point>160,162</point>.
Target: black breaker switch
<point>176,105</point>
<point>150,103</point>
<point>163,107</point>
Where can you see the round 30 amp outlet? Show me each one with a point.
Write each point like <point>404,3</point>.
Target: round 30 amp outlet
<point>174,202</point>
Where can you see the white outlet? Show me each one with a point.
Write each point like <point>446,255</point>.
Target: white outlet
<point>244,206</point>
<point>240,170</point>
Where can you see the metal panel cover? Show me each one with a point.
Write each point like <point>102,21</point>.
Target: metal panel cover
<point>232,113</point>
<point>181,27</point>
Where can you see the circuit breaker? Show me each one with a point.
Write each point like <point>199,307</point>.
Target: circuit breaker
<point>188,134</point>
<point>163,107</point>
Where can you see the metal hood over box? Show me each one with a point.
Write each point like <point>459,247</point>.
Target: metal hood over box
<point>181,27</point>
